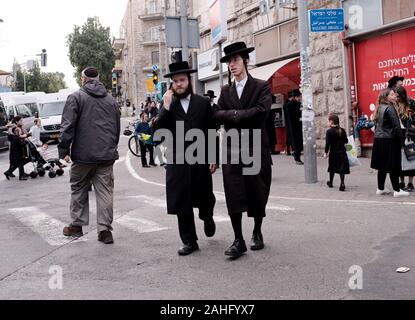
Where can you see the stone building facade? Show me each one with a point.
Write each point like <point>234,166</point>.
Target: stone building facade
<point>338,60</point>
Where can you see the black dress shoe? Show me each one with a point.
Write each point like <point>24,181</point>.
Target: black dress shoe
<point>342,187</point>
<point>257,241</point>
<point>329,184</point>
<point>188,249</point>
<point>11,175</point>
<point>7,175</point>
<point>210,228</point>
<point>26,175</point>
<point>153,164</point>
<point>22,178</point>
<point>146,166</point>
<point>237,249</point>
<point>299,162</point>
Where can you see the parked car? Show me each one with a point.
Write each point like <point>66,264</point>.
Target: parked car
<point>4,142</point>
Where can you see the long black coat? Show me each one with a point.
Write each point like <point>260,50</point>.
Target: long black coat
<point>187,185</point>
<point>246,193</point>
<point>296,125</point>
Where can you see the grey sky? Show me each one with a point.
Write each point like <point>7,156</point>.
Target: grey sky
<point>29,26</point>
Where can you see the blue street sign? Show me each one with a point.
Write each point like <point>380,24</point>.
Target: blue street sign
<point>326,20</point>
<point>155,67</point>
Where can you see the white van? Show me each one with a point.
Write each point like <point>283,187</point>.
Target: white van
<point>22,105</point>
<point>50,113</point>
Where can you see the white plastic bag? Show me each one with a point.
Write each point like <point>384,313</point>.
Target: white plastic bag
<point>352,152</point>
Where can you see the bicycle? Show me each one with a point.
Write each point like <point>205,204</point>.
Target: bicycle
<point>134,140</point>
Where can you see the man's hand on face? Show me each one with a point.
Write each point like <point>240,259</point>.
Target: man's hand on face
<point>213,168</point>
<point>167,99</point>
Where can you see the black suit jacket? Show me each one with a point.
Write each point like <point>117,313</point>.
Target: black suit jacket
<point>246,193</point>
<point>187,185</point>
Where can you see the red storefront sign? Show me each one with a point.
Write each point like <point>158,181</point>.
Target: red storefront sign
<point>377,60</point>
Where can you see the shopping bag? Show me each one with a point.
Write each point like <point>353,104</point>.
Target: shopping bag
<point>407,164</point>
<point>409,151</point>
<point>352,152</point>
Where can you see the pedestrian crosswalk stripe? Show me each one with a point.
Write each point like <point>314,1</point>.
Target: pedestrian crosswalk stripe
<point>50,229</point>
<point>156,202</point>
<point>132,222</point>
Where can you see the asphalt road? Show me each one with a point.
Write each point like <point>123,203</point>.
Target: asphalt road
<point>313,237</point>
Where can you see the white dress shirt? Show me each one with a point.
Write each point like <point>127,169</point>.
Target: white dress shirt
<point>240,86</point>
<point>185,103</point>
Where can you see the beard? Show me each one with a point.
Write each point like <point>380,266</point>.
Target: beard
<point>182,95</point>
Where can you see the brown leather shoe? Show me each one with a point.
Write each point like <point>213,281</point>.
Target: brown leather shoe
<point>73,231</point>
<point>105,236</point>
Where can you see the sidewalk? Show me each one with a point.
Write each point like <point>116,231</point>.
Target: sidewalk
<point>361,184</point>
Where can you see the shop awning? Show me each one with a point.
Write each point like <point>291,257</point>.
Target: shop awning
<point>266,72</point>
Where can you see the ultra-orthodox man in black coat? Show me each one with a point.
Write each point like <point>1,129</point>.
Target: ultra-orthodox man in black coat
<point>246,193</point>
<point>187,185</point>
<point>188,181</point>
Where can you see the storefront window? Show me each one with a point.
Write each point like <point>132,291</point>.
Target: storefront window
<point>377,60</point>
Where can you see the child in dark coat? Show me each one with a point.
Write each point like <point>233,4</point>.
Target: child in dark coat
<point>336,138</point>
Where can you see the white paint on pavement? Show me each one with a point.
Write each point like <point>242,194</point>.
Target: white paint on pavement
<point>120,160</point>
<point>50,229</point>
<point>135,175</point>
<point>140,225</point>
<point>155,202</point>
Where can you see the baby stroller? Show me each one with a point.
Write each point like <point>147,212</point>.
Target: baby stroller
<point>40,165</point>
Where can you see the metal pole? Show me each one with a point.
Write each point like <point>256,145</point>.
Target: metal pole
<point>166,64</point>
<point>185,37</point>
<point>309,133</point>
<point>220,66</point>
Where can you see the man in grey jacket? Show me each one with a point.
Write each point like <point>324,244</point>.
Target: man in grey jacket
<point>90,132</point>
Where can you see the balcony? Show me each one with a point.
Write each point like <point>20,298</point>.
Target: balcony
<point>152,11</point>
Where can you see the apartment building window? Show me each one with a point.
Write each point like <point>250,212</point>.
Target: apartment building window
<point>155,33</point>
<point>152,7</point>
<point>155,57</point>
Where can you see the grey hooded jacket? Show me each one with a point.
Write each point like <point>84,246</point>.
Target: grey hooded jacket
<point>90,128</point>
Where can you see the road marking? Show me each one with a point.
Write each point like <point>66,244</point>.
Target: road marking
<point>50,229</point>
<point>280,208</point>
<point>120,160</point>
<point>380,202</point>
<point>140,225</point>
<point>156,202</point>
<point>220,196</point>
<point>135,175</point>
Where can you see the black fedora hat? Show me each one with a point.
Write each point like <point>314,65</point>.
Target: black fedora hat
<point>179,68</point>
<point>296,93</point>
<point>234,49</point>
<point>210,93</point>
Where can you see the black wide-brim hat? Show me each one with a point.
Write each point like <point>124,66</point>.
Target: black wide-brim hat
<point>210,93</point>
<point>234,49</point>
<point>179,68</point>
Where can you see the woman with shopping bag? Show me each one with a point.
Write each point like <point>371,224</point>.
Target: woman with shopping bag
<point>386,153</point>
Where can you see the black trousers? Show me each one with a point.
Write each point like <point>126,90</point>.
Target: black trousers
<point>143,148</point>
<point>394,177</point>
<point>187,227</point>
<point>14,166</point>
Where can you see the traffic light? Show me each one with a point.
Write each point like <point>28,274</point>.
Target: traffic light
<point>43,58</point>
<point>114,85</point>
<point>155,78</point>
